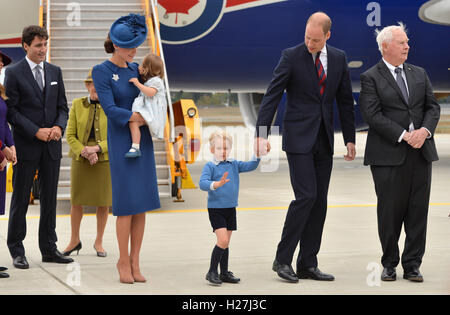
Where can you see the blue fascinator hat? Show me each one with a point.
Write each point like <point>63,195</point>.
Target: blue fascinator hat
<point>128,31</point>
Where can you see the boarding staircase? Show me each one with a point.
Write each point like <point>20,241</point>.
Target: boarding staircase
<point>77,32</point>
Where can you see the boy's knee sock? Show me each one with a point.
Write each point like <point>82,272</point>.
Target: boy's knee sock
<point>224,261</point>
<point>216,257</point>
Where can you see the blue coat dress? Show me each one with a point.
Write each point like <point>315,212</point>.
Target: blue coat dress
<point>134,181</point>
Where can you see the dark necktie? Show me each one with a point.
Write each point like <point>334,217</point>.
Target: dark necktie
<point>321,74</point>
<point>38,77</point>
<point>401,83</point>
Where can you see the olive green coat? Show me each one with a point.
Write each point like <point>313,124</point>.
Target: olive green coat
<point>79,128</point>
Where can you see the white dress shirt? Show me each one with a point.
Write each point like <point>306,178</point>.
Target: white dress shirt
<point>392,70</point>
<point>323,58</point>
<point>33,65</point>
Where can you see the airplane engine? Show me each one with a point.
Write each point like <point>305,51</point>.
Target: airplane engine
<point>249,105</point>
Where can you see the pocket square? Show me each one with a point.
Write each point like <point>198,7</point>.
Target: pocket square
<point>53,83</point>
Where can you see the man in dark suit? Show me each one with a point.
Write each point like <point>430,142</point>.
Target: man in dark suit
<point>398,103</point>
<point>313,74</point>
<point>37,112</point>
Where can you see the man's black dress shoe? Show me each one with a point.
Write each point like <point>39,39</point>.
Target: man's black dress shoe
<point>285,272</point>
<point>413,275</point>
<point>229,277</point>
<point>21,262</point>
<point>315,274</point>
<point>388,274</point>
<point>213,278</point>
<point>3,269</point>
<point>4,275</point>
<point>57,257</point>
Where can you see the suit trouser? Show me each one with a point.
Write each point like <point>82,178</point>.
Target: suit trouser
<point>403,194</point>
<point>23,174</point>
<point>310,177</point>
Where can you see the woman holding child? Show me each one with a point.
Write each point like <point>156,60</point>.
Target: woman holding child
<point>134,183</point>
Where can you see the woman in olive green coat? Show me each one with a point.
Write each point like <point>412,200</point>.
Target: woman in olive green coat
<point>90,175</point>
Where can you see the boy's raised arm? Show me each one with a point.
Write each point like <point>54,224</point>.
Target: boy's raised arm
<point>248,166</point>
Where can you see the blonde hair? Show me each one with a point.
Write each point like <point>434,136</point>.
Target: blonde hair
<point>152,66</point>
<point>219,134</point>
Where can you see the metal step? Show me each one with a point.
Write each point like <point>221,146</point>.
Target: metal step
<point>92,13</point>
<point>65,21</point>
<point>83,61</point>
<point>87,3</point>
<point>76,52</point>
<point>162,172</point>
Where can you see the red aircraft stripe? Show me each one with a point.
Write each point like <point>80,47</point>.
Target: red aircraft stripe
<point>9,41</point>
<point>232,3</point>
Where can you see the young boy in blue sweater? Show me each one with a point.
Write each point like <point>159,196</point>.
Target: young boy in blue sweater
<point>220,178</point>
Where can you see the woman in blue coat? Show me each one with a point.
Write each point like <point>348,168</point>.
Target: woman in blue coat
<point>134,182</point>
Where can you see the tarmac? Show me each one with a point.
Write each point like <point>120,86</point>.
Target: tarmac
<point>178,239</point>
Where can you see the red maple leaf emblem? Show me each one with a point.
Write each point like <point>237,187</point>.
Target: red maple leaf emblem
<point>178,6</point>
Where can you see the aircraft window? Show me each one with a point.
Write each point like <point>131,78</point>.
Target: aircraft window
<point>355,64</point>
<point>436,12</point>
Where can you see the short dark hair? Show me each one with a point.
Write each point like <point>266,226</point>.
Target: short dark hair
<point>30,32</point>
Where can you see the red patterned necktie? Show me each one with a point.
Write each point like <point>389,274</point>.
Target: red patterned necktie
<point>321,74</point>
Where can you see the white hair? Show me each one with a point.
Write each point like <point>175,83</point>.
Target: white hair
<point>386,34</point>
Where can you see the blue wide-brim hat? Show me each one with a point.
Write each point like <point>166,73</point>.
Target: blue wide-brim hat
<point>128,31</point>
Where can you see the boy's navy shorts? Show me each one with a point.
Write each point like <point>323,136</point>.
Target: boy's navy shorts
<point>223,218</point>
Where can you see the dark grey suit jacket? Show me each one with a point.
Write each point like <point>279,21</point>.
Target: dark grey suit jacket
<point>30,109</point>
<point>388,114</point>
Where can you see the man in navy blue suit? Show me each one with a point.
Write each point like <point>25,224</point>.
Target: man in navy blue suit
<point>37,112</point>
<point>313,74</point>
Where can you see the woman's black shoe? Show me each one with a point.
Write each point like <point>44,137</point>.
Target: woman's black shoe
<point>76,248</point>
<point>4,275</point>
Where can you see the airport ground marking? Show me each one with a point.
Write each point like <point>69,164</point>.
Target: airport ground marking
<point>238,209</point>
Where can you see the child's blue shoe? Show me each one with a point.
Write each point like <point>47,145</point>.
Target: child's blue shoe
<point>133,153</point>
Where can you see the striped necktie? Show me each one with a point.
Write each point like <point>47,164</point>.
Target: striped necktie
<point>321,74</point>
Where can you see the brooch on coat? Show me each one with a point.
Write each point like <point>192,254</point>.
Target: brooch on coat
<point>115,77</point>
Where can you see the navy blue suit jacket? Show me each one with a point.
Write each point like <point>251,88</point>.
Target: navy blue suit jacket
<point>305,108</point>
<point>30,109</point>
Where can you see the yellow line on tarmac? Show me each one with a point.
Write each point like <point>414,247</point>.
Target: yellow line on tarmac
<point>239,209</point>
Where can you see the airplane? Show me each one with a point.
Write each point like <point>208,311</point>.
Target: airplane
<point>234,45</point>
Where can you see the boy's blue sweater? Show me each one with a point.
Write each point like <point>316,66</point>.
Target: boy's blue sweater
<point>227,195</point>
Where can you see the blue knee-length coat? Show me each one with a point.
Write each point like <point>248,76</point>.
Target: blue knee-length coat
<point>134,181</point>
